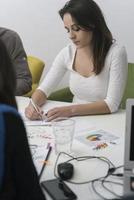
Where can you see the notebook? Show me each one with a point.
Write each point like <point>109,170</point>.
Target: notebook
<point>129,149</point>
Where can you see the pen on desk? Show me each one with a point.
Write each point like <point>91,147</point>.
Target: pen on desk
<point>36,108</point>
<point>45,161</point>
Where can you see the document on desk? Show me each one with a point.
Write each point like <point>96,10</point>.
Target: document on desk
<point>37,123</point>
<point>29,122</point>
<point>40,134</point>
<point>40,139</point>
<point>39,154</point>
<point>98,139</point>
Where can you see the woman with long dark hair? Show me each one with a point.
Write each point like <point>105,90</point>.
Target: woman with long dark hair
<point>97,65</point>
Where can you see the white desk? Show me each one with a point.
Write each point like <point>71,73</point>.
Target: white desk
<point>115,123</point>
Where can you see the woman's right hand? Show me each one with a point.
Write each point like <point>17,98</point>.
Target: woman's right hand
<point>30,111</point>
<point>32,114</point>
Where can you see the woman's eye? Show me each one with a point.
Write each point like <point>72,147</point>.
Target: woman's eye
<point>75,28</point>
<point>67,30</point>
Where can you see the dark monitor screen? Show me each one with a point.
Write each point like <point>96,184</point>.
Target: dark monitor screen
<point>132,135</point>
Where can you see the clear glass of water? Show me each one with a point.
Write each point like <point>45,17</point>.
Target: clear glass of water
<point>63,130</point>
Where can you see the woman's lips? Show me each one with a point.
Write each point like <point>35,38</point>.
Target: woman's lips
<point>76,42</point>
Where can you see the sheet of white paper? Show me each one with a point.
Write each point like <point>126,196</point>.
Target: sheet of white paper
<point>40,139</point>
<point>93,138</point>
<point>39,154</point>
<point>40,134</point>
<point>33,122</point>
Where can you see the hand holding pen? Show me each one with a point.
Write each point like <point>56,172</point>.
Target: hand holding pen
<point>38,111</point>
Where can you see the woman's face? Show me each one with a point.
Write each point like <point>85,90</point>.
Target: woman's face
<point>80,37</point>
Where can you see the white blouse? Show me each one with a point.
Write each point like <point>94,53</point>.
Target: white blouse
<point>109,85</point>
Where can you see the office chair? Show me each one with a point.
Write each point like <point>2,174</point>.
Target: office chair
<point>63,94</point>
<point>36,67</point>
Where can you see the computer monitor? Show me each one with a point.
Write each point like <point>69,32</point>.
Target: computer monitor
<point>129,149</point>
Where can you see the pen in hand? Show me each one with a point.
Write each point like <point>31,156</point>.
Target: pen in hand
<point>36,109</point>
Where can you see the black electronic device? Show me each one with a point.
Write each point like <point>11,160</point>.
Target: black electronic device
<point>129,149</point>
<point>58,190</point>
<point>65,170</point>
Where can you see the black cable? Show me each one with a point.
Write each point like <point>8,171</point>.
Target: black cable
<point>94,189</point>
<point>118,174</point>
<point>114,182</point>
<point>82,158</point>
<point>113,169</point>
<point>110,191</point>
<point>110,172</point>
<point>100,195</point>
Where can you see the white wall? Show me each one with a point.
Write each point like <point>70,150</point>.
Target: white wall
<point>42,32</point>
<point>120,18</point>
<point>38,24</point>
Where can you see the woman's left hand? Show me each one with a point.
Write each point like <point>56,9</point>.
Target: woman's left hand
<point>56,112</point>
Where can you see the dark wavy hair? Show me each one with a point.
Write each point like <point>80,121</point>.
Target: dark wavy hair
<point>88,15</point>
<point>7,78</point>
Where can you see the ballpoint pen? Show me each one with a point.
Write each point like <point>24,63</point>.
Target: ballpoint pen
<point>36,108</point>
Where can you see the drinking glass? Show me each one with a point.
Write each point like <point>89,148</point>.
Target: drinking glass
<point>63,130</point>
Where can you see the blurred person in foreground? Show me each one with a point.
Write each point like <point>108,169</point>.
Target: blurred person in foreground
<point>18,176</point>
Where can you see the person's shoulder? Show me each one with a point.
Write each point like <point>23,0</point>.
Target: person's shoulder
<point>67,52</point>
<point>11,115</point>
<point>117,48</point>
<point>8,33</point>
<point>70,48</point>
<point>4,108</point>
<point>116,51</point>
